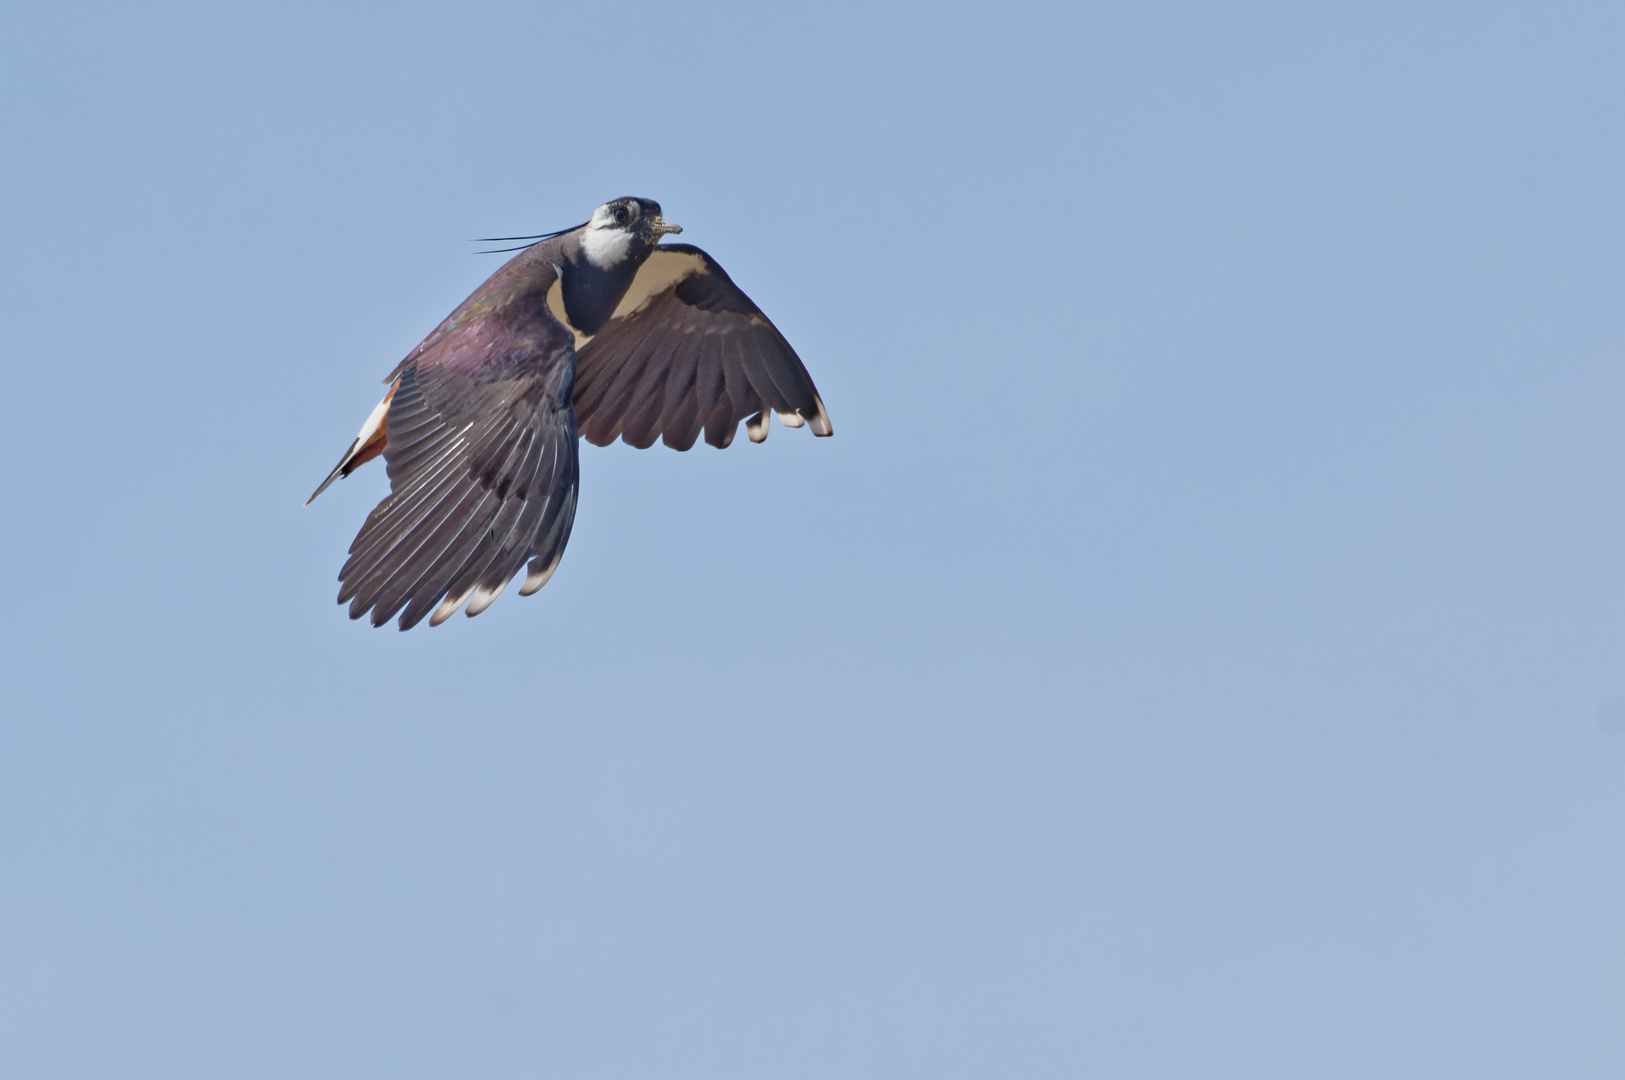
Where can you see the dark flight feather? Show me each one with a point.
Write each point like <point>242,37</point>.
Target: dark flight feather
<point>686,351</point>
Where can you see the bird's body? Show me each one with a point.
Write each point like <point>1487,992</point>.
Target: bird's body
<point>598,330</point>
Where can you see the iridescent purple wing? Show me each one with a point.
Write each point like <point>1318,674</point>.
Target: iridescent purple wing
<point>481,454</point>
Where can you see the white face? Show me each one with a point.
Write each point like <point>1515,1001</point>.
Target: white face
<point>620,213</point>
<point>608,237</point>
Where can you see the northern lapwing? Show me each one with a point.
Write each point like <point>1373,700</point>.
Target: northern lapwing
<point>600,331</point>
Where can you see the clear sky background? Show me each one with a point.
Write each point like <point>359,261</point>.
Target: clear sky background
<point>1197,653</point>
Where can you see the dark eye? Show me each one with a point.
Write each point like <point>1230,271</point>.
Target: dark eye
<point>622,215</point>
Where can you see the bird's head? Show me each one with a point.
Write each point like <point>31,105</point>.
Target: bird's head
<point>622,229</point>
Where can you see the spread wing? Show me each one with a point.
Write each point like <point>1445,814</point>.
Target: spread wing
<point>481,453</point>
<point>687,351</point>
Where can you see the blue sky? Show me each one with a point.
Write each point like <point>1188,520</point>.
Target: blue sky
<point>1190,656</point>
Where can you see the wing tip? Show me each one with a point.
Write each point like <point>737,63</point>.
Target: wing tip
<point>448,607</point>
<point>539,576</point>
<point>819,422</point>
<point>484,597</point>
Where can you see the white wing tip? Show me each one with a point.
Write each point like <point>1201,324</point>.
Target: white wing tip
<point>483,598</point>
<point>448,607</point>
<point>820,423</point>
<point>537,578</point>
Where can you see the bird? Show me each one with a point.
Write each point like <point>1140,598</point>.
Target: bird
<point>600,331</point>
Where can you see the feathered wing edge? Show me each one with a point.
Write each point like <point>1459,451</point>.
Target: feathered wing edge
<point>687,351</point>
<point>470,504</point>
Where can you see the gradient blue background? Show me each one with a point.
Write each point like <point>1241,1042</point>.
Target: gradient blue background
<point>1196,654</point>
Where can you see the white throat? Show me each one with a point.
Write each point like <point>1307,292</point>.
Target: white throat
<point>605,248</point>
